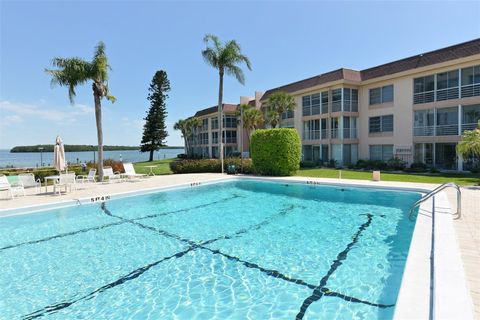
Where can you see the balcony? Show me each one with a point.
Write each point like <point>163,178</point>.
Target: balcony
<point>447,130</point>
<point>469,126</point>
<point>311,135</point>
<point>334,133</point>
<point>471,90</point>
<point>442,130</point>
<point>423,131</point>
<point>350,133</point>
<point>447,94</point>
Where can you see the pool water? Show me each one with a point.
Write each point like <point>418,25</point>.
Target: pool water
<point>241,249</point>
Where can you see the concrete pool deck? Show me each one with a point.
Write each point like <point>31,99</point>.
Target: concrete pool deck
<point>467,229</point>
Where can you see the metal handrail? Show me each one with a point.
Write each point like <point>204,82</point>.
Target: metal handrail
<point>434,192</point>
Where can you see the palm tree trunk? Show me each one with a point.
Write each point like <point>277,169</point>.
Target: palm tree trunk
<point>98,118</point>
<point>220,116</point>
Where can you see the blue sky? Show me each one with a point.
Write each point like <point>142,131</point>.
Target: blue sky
<point>286,42</point>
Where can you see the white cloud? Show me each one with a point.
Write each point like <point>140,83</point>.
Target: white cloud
<point>10,120</point>
<point>41,111</point>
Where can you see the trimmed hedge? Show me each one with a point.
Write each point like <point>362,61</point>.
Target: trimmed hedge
<point>276,152</point>
<point>209,165</point>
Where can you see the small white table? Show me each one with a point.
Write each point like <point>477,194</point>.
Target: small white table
<point>151,170</point>
<point>53,178</point>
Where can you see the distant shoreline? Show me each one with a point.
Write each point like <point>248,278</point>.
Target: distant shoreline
<point>77,148</point>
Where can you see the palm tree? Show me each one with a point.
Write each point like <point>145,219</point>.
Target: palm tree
<point>278,103</point>
<point>187,128</point>
<point>224,57</point>
<point>72,72</point>
<point>251,118</point>
<point>181,125</point>
<point>470,144</point>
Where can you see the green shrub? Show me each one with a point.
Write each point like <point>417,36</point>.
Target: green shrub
<point>418,167</point>
<point>210,165</point>
<point>275,152</point>
<point>396,164</point>
<point>308,164</point>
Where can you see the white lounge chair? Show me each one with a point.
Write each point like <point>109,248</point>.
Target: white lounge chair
<point>67,181</point>
<point>28,181</point>
<point>130,171</point>
<point>111,176</point>
<point>12,189</point>
<point>88,178</point>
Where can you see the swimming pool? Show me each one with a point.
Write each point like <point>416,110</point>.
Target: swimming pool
<point>236,250</point>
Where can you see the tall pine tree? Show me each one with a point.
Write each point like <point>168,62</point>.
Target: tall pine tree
<point>155,130</point>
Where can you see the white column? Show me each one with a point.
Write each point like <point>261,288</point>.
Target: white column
<point>460,162</point>
<point>459,119</point>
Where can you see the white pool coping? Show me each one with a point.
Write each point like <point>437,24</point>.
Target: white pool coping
<point>451,295</point>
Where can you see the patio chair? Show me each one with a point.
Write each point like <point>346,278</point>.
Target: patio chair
<point>88,178</point>
<point>130,171</point>
<point>111,176</point>
<point>67,181</point>
<point>12,188</point>
<point>28,181</point>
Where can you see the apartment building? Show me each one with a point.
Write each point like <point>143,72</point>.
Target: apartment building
<point>205,139</point>
<point>415,109</point>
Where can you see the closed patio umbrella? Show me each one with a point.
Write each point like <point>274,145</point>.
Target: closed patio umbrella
<point>59,155</point>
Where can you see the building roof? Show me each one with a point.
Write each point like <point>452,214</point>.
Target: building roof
<point>457,51</point>
<point>227,107</point>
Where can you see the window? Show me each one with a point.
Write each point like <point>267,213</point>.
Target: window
<point>315,103</point>
<point>336,100</point>
<point>324,102</point>
<point>203,138</point>
<point>447,121</point>
<point>350,100</point>
<point>214,122</point>
<point>447,85</point>
<point>470,117</point>
<point>380,124</point>
<point>230,122</point>
<point>423,122</point>
<point>381,95</point>
<point>204,125</point>
<point>311,129</point>
<point>287,115</point>
<point>382,152</point>
<point>230,136</point>
<point>215,137</point>
<point>311,105</point>
<point>423,89</point>
<point>471,81</point>
<point>306,103</point>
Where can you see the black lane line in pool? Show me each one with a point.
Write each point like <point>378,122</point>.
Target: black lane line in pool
<point>138,272</point>
<point>114,224</point>
<point>270,272</point>
<point>132,275</point>
<point>193,246</point>
<point>317,292</point>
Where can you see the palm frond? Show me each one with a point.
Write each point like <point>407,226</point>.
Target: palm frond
<point>235,71</point>
<point>71,72</point>
<point>210,56</point>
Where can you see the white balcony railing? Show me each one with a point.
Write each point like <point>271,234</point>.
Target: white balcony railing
<point>470,90</point>
<point>423,131</point>
<point>447,130</point>
<point>311,135</point>
<point>469,126</point>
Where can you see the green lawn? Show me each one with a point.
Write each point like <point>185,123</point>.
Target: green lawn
<point>163,166</point>
<point>458,178</point>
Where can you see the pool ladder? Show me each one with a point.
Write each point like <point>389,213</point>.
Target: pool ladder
<point>434,192</point>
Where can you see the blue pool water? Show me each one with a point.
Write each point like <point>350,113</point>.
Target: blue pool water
<point>231,250</point>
